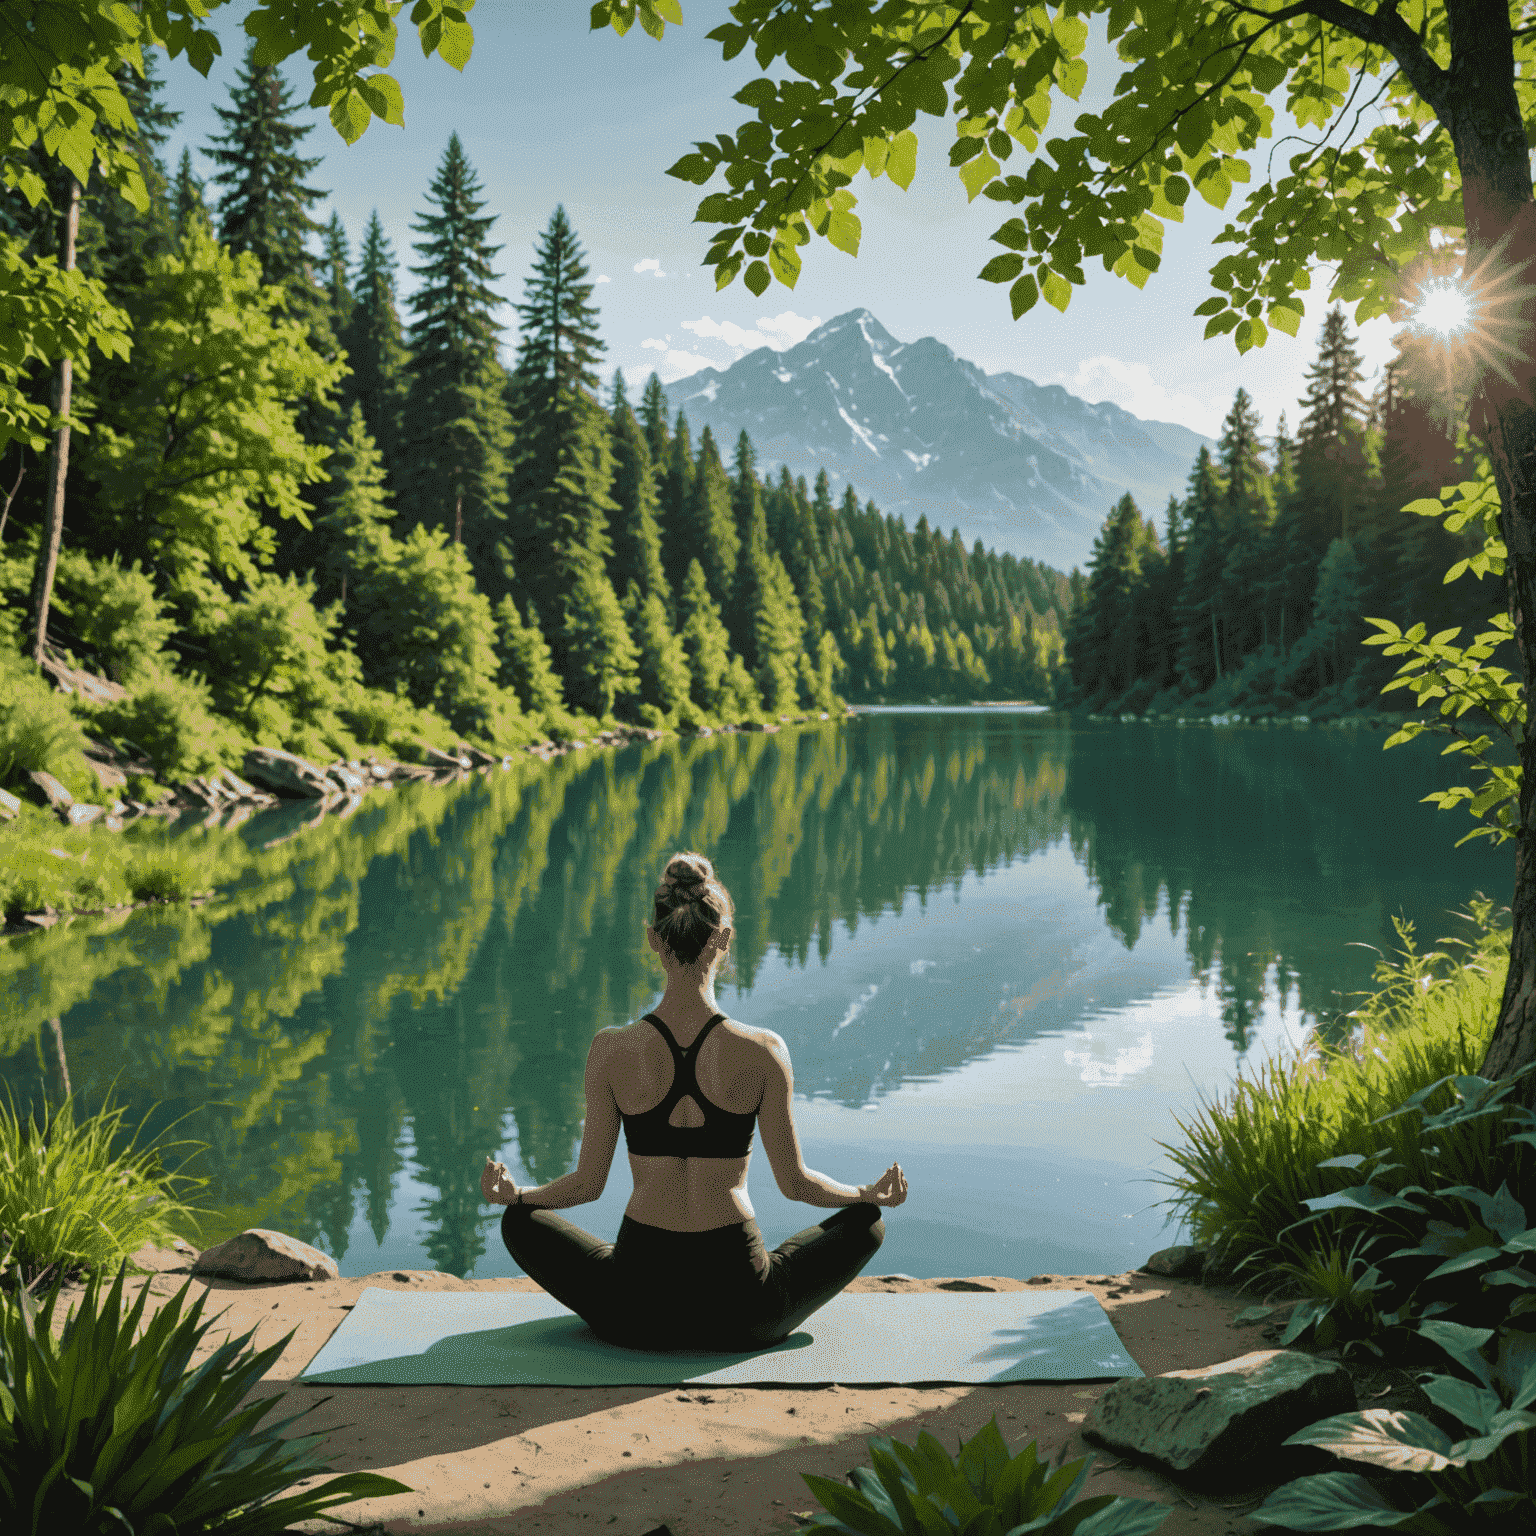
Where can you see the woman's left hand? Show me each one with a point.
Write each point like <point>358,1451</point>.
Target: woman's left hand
<point>496,1184</point>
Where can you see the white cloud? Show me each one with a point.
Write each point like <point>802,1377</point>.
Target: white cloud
<point>778,332</point>
<point>1132,387</point>
<point>602,278</point>
<point>649,264</point>
<point>678,365</point>
<point>655,344</point>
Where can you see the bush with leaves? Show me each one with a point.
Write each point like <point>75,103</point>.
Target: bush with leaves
<point>170,720</point>
<point>37,731</point>
<point>923,1491</point>
<point>113,612</point>
<point>111,1428</point>
<point>1436,1486</point>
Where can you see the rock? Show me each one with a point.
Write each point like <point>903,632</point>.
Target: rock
<point>1223,1421</point>
<point>52,792</point>
<point>437,761</point>
<point>478,758</point>
<point>258,1255</point>
<point>83,815</point>
<point>108,774</point>
<point>287,774</point>
<point>9,805</point>
<point>232,784</point>
<point>1177,1263</point>
<point>345,779</point>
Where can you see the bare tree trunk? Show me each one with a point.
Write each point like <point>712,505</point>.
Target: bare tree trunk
<point>458,518</point>
<point>57,1026</point>
<point>58,462</point>
<point>10,495</point>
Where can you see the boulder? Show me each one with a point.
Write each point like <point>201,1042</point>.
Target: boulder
<point>1221,1423</point>
<point>344,778</point>
<point>108,775</point>
<point>50,790</point>
<point>261,1256</point>
<point>1177,1263</point>
<point>83,815</point>
<point>437,761</point>
<point>287,774</point>
<point>9,805</point>
<point>477,757</point>
<point>232,784</point>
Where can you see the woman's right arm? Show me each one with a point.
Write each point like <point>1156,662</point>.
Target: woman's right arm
<point>775,1121</point>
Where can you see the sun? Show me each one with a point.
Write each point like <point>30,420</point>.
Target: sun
<point>1443,308</point>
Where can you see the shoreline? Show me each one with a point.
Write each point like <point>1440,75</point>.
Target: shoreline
<point>484,1460</point>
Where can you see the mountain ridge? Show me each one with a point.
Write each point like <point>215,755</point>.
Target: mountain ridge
<point>1028,468</point>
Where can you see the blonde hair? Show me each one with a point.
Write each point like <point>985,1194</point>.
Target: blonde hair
<point>691,905</point>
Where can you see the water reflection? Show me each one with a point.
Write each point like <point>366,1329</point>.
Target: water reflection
<point>373,1004</point>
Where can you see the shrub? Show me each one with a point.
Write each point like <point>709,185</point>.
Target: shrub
<point>171,721</point>
<point>1252,1158</point>
<point>114,613</point>
<point>74,1195</point>
<point>981,1492</point>
<point>37,730</point>
<point>112,1429</point>
<point>159,877</point>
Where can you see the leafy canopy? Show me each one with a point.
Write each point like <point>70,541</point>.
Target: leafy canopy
<point>846,81</point>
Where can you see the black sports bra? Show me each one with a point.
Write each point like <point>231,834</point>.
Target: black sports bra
<point>722,1134</point>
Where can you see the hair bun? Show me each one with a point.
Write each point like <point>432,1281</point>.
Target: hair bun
<point>685,873</point>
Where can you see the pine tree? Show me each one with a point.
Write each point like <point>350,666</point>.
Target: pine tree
<point>456,432</point>
<point>375,345</point>
<point>188,200</point>
<point>1332,470</point>
<point>705,641</point>
<point>526,666</point>
<point>264,206</point>
<point>1201,658</point>
<point>664,679</point>
<point>636,533</point>
<point>675,486</point>
<point>358,511</point>
<point>1247,508</point>
<point>337,264</point>
<point>708,522</point>
<point>563,477</point>
<point>653,419</point>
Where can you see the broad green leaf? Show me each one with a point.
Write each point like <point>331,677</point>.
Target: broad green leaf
<point>456,43</point>
<point>1393,1439</point>
<point>757,277</point>
<point>1462,1344</point>
<point>1023,294</point>
<point>976,173</point>
<point>1056,290</point>
<point>1335,1501</point>
<point>901,162</point>
<point>382,93</point>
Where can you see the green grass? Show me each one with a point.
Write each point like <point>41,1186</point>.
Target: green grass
<point>80,1196</point>
<point>1250,1158</point>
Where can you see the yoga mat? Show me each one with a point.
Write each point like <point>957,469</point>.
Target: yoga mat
<point>502,1338</point>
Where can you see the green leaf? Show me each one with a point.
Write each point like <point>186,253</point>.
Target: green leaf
<point>693,168</point>
<point>1056,291</point>
<point>1285,319</point>
<point>1390,1438</point>
<point>456,43</point>
<point>382,93</point>
<point>757,278</point>
<point>350,116</point>
<point>1333,1501</point>
<point>843,230</point>
<point>1022,295</point>
<point>1462,1344</point>
<point>976,173</point>
<point>1002,269</point>
<point>901,162</point>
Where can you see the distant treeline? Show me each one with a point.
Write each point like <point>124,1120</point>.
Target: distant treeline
<point>1251,598</point>
<point>295,518</point>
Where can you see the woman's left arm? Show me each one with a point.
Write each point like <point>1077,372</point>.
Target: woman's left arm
<point>599,1141</point>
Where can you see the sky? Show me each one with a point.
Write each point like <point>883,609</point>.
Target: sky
<point>551,113</point>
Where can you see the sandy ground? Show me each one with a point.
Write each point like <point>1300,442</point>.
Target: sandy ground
<point>483,1461</point>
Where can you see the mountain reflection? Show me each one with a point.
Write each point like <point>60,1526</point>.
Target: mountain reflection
<point>427,976</point>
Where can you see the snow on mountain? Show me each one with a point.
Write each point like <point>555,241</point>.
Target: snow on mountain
<point>1023,467</point>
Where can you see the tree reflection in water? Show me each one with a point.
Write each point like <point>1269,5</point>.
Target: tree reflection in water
<point>430,973</point>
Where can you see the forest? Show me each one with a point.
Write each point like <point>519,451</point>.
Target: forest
<point>1250,597</point>
<point>298,517</point>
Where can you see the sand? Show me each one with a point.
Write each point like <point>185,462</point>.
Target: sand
<point>535,1460</point>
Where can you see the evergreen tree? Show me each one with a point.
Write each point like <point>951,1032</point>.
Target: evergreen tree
<point>636,533</point>
<point>662,659</point>
<point>375,345</point>
<point>1246,510</point>
<point>456,432</point>
<point>1200,642</point>
<point>358,511</point>
<point>1104,648</point>
<point>188,200</point>
<point>264,205</point>
<point>563,478</point>
<point>653,420</point>
<point>526,666</point>
<point>708,522</point>
<point>337,265</point>
<point>705,641</point>
<point>676,488</point>
<point>1332,471</point>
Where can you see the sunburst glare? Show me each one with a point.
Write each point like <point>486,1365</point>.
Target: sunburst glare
<point>1443,309</point>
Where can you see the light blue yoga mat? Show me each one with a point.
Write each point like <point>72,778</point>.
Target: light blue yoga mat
<point>504,1338</point>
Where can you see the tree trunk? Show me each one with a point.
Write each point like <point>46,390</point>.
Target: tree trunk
<point>458,518</point>
<point>58,462</point>
<point>1482,113</point>
<point>10,495</point>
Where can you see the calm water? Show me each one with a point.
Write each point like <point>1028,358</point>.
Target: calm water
<point>1002,949</point>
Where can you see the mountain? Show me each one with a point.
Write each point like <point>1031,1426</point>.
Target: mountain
<point>1021,466</point>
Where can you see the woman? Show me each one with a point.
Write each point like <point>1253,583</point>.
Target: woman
<point>689,1268</point>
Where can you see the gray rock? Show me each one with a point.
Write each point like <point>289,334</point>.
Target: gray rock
<point>83,815</point>
<point>345,778</point>
<point>9,805</point>
<point>232,784</point>
<point>477,757</point>
<point>287,774</point>
<point>1177,1263</point>
<point>108,775</point>
<point>53,793</point>
<point>1219,1423</point>
<point>438,761</point>
<point>262,1256</point>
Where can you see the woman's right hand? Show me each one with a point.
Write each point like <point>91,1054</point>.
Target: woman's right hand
<point>889,1189</point>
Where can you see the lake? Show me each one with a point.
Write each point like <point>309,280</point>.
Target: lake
<point>1003,947</point>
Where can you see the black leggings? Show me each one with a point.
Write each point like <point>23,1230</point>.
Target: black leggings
<point>657,1289</point>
